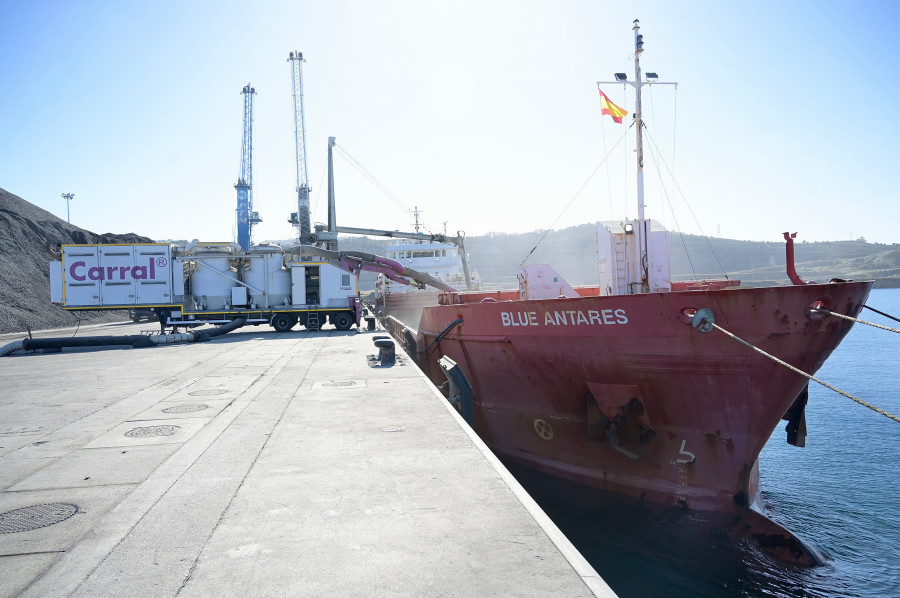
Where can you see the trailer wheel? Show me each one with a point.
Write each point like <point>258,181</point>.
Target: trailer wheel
<point>342,320</point>
<point>282,322</point>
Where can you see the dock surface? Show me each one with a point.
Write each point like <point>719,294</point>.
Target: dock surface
<point>257,464</point>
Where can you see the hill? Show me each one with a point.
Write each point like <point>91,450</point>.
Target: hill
<point>29,239</point>
<point>572,252</point>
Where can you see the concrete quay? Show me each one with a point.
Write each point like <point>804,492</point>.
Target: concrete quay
<point>257,464</point>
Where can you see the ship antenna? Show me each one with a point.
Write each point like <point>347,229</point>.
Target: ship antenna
<point>416,214</point>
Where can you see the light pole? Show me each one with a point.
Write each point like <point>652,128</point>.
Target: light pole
<point>68,197</point>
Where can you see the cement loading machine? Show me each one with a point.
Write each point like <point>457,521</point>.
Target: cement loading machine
<point>203,283</point>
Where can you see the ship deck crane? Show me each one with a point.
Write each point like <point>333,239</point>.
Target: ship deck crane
<point>244,215</point>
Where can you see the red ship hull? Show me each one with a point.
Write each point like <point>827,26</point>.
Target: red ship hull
<point>624,393</point>
<point>406,307</point>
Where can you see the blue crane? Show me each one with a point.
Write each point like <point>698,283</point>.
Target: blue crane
<point>245,215</point>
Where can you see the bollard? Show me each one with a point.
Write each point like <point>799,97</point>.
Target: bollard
<point>385,351</point>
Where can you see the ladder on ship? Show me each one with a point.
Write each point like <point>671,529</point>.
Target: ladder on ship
<point>312,321</point>
<point>621,267</point>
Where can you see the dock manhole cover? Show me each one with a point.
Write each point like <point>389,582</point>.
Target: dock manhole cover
<point>35,517</point>
<point>185,408</point>
<point>208,393</point>
<point>151,431</point>
<point>339,383</point>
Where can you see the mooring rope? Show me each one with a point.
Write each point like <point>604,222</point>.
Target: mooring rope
<point>882,313</point>
<point>802,373</point>
<point>852,319</point>
<point>441,335</point>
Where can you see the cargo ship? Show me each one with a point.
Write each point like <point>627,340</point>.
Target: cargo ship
<point>661,390</point>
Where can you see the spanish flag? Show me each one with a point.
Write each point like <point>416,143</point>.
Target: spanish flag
<point>609,108</point>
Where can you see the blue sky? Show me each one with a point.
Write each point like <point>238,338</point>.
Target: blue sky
<point>483,114</point>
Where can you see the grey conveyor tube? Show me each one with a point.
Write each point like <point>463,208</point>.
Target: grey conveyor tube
<point>360,256</point>
<point>134,340</point>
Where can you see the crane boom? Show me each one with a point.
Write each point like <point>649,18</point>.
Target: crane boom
<point>301,219</point>
<point>244,214</point>
<point>328,236</point>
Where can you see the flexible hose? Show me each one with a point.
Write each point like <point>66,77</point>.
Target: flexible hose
<point>372,262</point>
<point>133,340</point>
<point>12,348</point>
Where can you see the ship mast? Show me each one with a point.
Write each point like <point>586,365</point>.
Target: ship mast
<point>643,232</point>
<point>640,270</point>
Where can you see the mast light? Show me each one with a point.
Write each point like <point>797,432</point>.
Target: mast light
<point>621,77</point>
<point>652,77</point>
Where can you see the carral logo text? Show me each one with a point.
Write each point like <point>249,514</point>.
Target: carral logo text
<point>79,271</point>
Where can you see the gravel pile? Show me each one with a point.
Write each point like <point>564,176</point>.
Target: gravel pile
<point>29,239</point>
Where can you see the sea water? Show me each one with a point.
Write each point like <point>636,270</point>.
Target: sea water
<point>840,493</point>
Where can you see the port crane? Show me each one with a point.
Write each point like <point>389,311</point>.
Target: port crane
<point>300,218</point>
<point>244,215</point>
<point>323,243</point>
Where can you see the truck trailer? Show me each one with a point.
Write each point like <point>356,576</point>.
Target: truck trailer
<point>206,283</point>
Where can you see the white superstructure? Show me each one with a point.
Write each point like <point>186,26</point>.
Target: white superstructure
<point>440,260</point>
